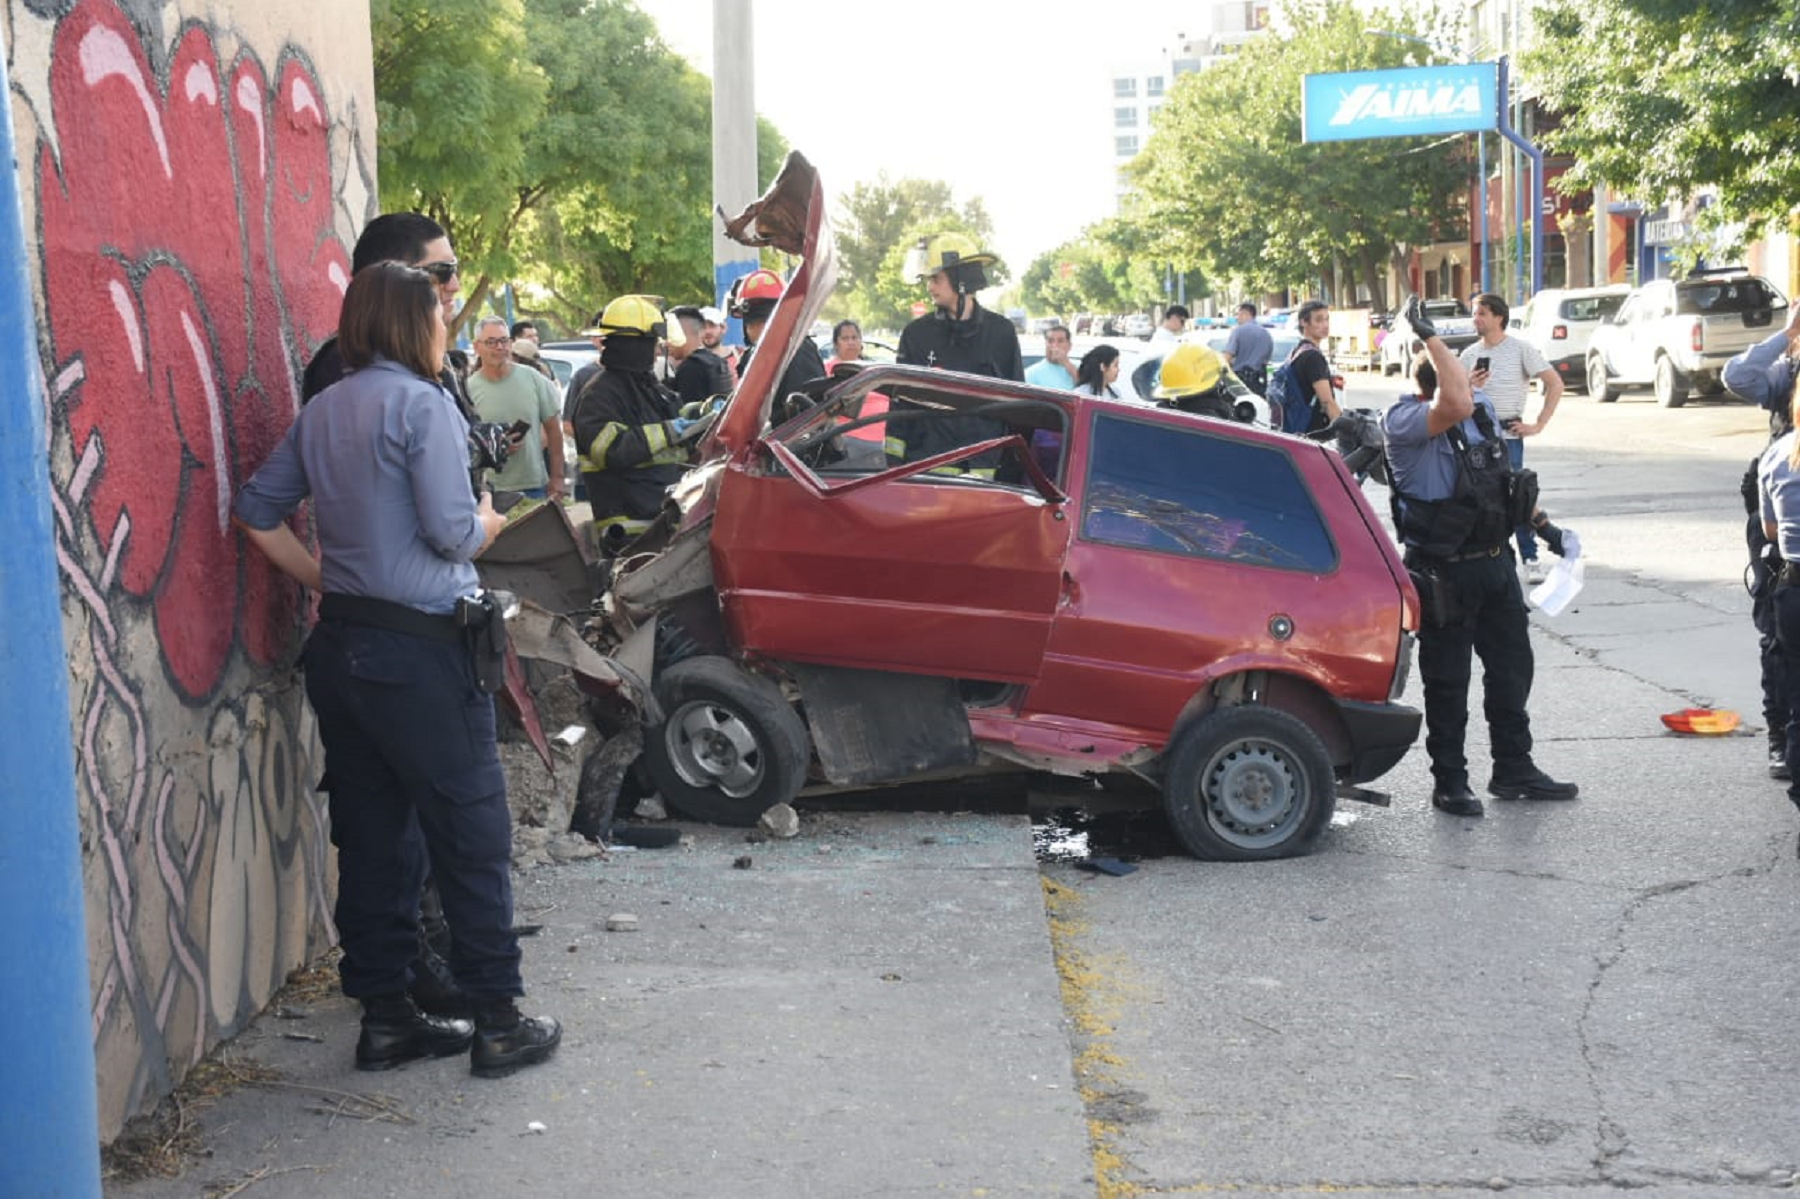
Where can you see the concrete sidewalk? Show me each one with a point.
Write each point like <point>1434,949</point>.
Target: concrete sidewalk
<point>871,1008</point>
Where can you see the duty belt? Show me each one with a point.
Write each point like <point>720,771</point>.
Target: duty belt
<point>1492,551</point>
<point>395,618</point>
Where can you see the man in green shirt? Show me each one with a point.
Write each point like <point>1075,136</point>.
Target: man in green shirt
<point>507,394</point>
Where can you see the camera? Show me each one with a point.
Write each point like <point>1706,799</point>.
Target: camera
<point>487,446</point>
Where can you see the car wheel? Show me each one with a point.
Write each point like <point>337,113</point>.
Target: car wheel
<point>1671,388</point>
<point>1598,385</point>
<point>731,746</point>
<point>1248,783</point>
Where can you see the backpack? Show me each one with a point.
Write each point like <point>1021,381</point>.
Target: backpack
<point>1297,408</point>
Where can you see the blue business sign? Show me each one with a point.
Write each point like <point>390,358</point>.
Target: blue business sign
<point>1460,98</point>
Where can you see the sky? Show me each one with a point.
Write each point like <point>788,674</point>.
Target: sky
<point>1007,101</point>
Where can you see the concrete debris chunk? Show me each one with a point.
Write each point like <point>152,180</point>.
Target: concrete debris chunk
<point>621,922</point>
<point>780,822</point>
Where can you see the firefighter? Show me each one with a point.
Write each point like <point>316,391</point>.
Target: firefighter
<point>958,334</point>
<point>627,425</point>
<point>751,300</point>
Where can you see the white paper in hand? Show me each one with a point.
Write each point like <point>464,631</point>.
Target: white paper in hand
<point>1564,581</point>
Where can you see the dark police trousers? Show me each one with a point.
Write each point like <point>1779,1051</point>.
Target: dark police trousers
<point>1787,634</point>
<point>1494,626</point>
<point>407,733</point>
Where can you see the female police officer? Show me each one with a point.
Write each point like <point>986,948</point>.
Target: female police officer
<point>405,727</point>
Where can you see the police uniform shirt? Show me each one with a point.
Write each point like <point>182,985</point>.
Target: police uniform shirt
<point>1423,466</point>
<point>383,454</point>
<point>1779,484</point>
<point>1512,365</point>
<point>1764,375</point>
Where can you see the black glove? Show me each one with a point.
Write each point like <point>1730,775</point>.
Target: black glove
<point>1421,324</point>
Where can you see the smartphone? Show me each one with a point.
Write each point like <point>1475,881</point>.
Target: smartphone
<point>521,427</point>
<point>1481,363</point>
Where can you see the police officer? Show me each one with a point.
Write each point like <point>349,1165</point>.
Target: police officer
<point>1765,374</point>
<point>1453,508</point>
<point>1778,485</point>
<point>404,704</point>
<point>628,426</point>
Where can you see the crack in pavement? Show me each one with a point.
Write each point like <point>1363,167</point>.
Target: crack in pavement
<point>1612,1139</point>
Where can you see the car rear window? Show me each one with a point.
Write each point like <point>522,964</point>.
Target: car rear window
<point>1723,296</point>
<point>1589,308</point>
<point>1201,494</point>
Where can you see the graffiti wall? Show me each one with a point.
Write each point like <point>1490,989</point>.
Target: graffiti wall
<point>194,175</point>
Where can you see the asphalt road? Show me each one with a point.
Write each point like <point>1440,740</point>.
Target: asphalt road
<point>1552,999</point>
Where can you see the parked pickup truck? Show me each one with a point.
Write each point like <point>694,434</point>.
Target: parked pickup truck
<point>1675,336</point>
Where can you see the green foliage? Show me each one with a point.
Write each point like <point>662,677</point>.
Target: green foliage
<point>1114,266</point>
<point>1661,98</point>
<point>560,142</point>
<point>876,224</point>
<point>1228,184</point>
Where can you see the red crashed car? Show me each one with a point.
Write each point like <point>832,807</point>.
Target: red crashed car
<point>1063,583</point>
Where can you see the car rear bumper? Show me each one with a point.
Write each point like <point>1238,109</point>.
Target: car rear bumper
<point>1572,369</point>
<point>1380,735</point>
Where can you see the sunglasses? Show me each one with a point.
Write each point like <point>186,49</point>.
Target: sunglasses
<point>443,272</point>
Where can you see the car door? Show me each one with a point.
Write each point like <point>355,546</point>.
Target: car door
<point>1195,539</point>
<point>917,568</point>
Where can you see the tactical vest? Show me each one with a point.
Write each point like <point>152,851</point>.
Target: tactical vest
<point>1483,510</point>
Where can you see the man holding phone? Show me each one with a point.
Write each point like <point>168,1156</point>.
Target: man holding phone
<point>1503,366</point>
<point>526,402</point>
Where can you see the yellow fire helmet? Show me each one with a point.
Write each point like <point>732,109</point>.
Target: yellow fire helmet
<point>636,316</point>
<point>941,252</point>
<point>1191,369</point>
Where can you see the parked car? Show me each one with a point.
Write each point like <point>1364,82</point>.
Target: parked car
<point>1560,322</point>
<point>1675,337</point>
<point>564,360</point>
<point>1139,324</point>
<point>1029,592</point>
<point>1455,324</point>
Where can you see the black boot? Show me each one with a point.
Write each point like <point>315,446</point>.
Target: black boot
<point>433,988</point>
<point>394,1030</point>
<point>506,1041</point>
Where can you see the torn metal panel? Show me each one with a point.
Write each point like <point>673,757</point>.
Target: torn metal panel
<point>871,726</point>
<point>540,557</point>
<point>643,585</point>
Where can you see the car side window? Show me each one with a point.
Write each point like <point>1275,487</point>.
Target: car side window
<point>1202,495</point>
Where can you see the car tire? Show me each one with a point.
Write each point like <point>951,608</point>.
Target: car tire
<point>1248,783</point>
<point>1598,385</point>
<point>731,746</point>
<point>1671,388</point>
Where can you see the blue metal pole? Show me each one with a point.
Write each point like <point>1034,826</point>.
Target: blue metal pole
<point>49,1126</point>
<point>1537,187</point>
<point>1481,155</point>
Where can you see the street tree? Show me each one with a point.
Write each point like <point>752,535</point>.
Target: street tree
<point>1227,182</point>
<point>573,152</point>
<point>1664,98</point>
<point>875,224</point>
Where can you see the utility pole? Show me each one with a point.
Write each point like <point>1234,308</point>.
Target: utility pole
<point>734,139</point>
